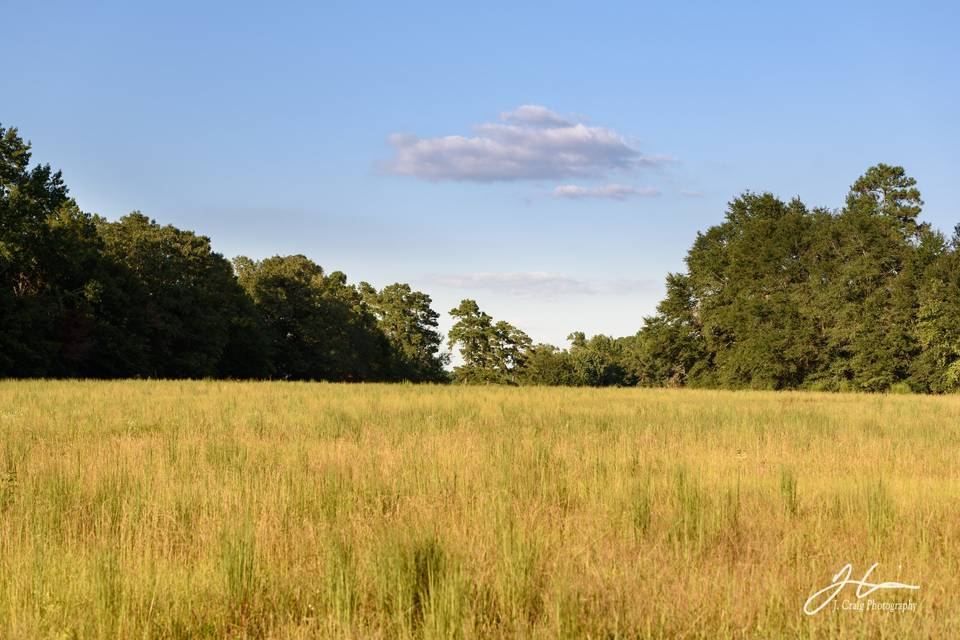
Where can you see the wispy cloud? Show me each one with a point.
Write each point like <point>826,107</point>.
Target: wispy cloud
<point>529,143</point>
<point>691,194</point>
<point>538,284</point>
<point>610,191</point>
<point>535,115</point>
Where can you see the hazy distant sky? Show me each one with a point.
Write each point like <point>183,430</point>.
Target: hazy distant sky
<point>553,162</point>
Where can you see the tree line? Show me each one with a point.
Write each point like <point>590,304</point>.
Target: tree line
<point>777,296</point>
<point>85,297</point>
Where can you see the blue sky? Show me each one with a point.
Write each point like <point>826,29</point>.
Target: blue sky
<point>552,161</point>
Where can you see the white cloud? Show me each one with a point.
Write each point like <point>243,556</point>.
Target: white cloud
<point>538,284</point>
<point>536,116</point>
<point>692,194</point>
<point>530,143</point>
<point>515,282</point>
<point>611,191</point>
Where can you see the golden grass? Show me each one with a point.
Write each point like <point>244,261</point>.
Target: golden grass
<point>213,509</point>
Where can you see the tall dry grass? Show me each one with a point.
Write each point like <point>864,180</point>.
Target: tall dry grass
<point>284,510</point>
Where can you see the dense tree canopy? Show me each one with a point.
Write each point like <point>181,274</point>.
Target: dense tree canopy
<point>781,296</point>
<point>319,328</point>
<point>777,296</point>
<point>52,271</point>
<point>410,325</point>
<point>493,352</point>
<point>83,296</point>
<point>170,276</point>
<point>600,361</point>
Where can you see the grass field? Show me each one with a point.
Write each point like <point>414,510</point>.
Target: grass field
<point>212,509</point>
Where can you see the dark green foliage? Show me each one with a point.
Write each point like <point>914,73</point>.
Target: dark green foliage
<point>600,361</point>
<point>671,347</point>
<point>777,296</point>
<point>548,366</point>
<point>747,278</point>
<point>938,324</point>
<point>887,192</point>
<point>82,296</point>
<point>318,327</point>
<point>406,319</point>
<point>54,279</point>
<point>493,352</point>
<point>191,312</point>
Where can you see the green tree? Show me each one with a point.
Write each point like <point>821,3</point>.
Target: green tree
<point>55,285</point>
<point>493,352</point>
<point>318,327</point>
<point>937,367</point>
<point>881,256</point>
<point>778,296</point>
<point>546,365</point>
<point>886,190</point>
<point>748,278</point>
<point>670,348</point>
<point>195,319</point>
<point>598,361</point>
<point>410,324</point>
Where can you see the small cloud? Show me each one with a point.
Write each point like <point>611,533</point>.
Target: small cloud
<point>529,143</point>
<point>538,284</point>
<point>692,194</point>
<point>611,191</point>
<point>515,283</point>
<point>537,116</point>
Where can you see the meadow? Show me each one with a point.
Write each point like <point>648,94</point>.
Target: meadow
<point>145,509</point>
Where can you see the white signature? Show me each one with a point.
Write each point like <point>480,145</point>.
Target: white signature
<point>842,579</point>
